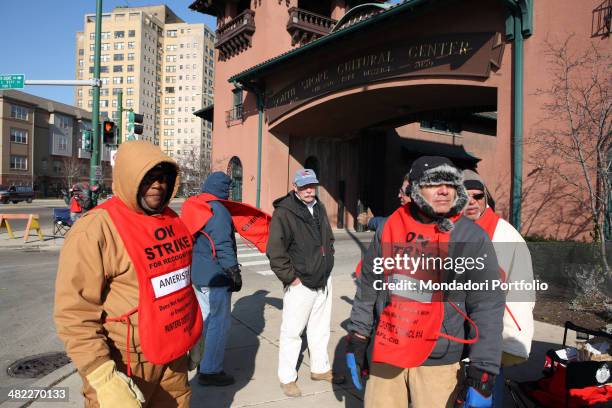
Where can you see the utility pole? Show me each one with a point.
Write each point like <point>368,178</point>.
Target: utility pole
<point>120,116</point>
<point>95,115</point>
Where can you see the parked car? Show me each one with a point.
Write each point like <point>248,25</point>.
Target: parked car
<point>15,194</point>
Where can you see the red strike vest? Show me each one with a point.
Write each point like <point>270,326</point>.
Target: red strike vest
<point>251,223</point>
<point>74,206</point>
<point>409,327</point>
<point>169,318</point>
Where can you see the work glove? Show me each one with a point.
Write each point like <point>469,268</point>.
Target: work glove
<point>356,360</point>
<point>233,274</point>
<point>477,390</point>
<point>195,354</point>
<point>113,388</point>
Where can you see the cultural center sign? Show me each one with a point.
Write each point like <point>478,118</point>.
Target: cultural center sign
<point>464,55</point>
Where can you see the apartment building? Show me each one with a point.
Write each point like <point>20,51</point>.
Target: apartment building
<point>40,144</point>
<point>164,68</point>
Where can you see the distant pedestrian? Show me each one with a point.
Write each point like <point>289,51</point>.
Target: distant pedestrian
<point>301,253</point>
<point>216,274</point>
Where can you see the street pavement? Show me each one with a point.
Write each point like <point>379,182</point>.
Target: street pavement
<point>27,275</point>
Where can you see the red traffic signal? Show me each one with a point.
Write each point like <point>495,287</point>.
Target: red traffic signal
<point>108,132</point>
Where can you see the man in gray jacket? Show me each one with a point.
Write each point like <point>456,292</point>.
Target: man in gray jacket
<point>419,335</point>
<point>301,253</point>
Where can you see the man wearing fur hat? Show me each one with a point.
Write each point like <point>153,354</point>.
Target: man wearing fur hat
<point>515,265</point>
<point>419,334</point>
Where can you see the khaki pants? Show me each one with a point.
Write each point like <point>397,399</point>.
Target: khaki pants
<point>424,386</point>
<point>163,386</point>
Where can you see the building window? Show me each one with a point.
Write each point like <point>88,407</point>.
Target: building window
<point>130,91</point>
<point>103,91</point>
<point>170,58</point>
<point>441,125</point>
<point>129,102</point>
<point>130,56</point>
<point>19,112</point>
<point>118,68</point>
<point>19,162</point>
<point>105,35</point>
<point>131,45</point>
<point>118,57</point>
<point>103,103</point>
<point>170,68</point>
<point>171,33</point>
<point>19,136</point>
<point>81,52</point>
<point>117,80</point>
<point>119,34</point>
<point>130,80</point>
<point>106,47</point>
<point>119,46</point>
<point>132,33</point>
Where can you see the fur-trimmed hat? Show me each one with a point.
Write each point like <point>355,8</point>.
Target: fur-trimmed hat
<point>434,171</point>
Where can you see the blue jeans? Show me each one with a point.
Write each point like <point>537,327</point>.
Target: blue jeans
<point>216,313</point>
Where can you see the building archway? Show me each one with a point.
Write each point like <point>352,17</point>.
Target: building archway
<point>234,170</point>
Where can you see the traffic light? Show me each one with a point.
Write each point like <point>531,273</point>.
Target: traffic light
<point>134,124</point>
<point>108,132</point>
<point>86,141</point>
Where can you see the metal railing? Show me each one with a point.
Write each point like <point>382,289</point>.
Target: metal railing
<point>602,20</point>
<point>234,115</point>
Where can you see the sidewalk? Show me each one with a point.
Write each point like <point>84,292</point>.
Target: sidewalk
<point>252,351</point>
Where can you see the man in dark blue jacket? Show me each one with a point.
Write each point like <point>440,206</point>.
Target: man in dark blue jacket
<point>215,275</point>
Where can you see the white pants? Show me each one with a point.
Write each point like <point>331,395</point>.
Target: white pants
<point>304,307</point>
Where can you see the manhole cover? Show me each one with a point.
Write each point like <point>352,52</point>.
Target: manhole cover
<point>37,366</point>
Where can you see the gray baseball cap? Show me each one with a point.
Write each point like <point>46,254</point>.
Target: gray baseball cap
<point>304,177</point>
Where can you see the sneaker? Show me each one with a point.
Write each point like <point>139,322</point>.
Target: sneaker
<point>217,380</point>
<point>333,378</point>
<point>291,389</point>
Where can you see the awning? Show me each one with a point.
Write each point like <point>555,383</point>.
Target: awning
<point>206,113</point>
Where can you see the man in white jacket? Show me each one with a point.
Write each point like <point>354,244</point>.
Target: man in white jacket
<point>515,264</point>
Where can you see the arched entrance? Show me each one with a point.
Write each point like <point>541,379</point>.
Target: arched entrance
<point>234,170</point>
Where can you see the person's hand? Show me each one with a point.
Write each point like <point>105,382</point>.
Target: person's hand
<point>356,360</point>
<point>235,277</point>
<point>113,388</point>
<point>477,390</point>
<point>365,217</point>
<point>296,282</point>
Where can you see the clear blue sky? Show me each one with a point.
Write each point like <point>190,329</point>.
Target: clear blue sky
<point>40,37</point>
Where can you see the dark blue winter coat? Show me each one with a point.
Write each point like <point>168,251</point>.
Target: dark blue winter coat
<point>206,270</point>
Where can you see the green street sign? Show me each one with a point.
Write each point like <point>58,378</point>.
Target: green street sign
<point>12,81</point>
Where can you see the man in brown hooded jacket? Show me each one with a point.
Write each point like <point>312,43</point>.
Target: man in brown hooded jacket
<point>99,295</point>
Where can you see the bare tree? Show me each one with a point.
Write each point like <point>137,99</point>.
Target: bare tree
<point>195,167</point>
<point>71,170</point>
<point>574,141</point>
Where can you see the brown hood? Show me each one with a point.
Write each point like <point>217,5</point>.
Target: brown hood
<point>134,159</point>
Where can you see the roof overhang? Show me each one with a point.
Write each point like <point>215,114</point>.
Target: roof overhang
<point>206,113</point>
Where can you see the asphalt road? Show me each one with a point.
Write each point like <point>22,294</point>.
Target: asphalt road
<point>44,209</point>
<point>27,282</point>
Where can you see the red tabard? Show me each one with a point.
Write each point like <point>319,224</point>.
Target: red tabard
<point>251,223</point>
<point>409,326</point>
<point>169,318</point>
